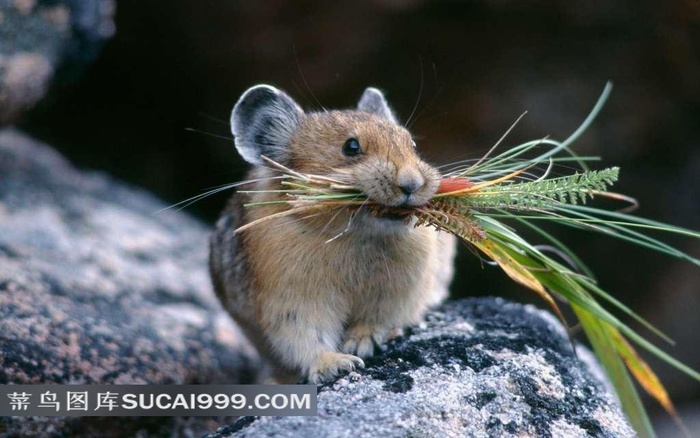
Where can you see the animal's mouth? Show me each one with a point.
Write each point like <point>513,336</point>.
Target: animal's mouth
<point>397,214</point>
<point>394,216</point>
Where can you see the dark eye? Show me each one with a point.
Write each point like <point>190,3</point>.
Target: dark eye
<point>352,148</point>
<point>414,143</point>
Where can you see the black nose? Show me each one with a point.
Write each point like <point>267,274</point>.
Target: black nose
<point>410,187</point>
<point>409,180</point>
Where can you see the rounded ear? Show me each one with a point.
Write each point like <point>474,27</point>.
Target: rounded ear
<point>263,122</point>
<point>373,101</point>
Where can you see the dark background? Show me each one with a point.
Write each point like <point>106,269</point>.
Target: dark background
<point>469,68</point>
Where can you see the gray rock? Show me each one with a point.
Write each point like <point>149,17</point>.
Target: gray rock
<point>96,287</point>
<point>43,40</point>
<point>480,367</point>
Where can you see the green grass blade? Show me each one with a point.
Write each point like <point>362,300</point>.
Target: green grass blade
<point>627,393</point>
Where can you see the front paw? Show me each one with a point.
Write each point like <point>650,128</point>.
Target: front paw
<point>330,364</point>
<point>361,340</point>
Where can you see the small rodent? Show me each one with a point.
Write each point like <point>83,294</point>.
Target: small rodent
<point>317,294</point>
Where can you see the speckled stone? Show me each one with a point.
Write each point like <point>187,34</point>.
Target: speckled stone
<point>480,367</point>
<point>96,286</point>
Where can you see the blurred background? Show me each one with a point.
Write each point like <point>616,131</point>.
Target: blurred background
<point>151,106</point>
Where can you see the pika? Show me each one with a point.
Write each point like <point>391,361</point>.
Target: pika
<point>318,294</point>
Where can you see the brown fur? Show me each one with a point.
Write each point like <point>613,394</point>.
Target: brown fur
<point>316,293</point>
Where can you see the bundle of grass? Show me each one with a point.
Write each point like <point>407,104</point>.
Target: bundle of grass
<point>476,199</point>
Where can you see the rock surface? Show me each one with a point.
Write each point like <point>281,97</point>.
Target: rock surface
<point>96,287</point>
<point>480,367</point>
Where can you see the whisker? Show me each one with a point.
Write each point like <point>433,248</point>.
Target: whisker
<point>303,78</point>
<point>214,119</point>
<point>430,102</point>
<point>189,201</point>
<point>454,163</point>
<point>221,137</point>
<point>420,93</point>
